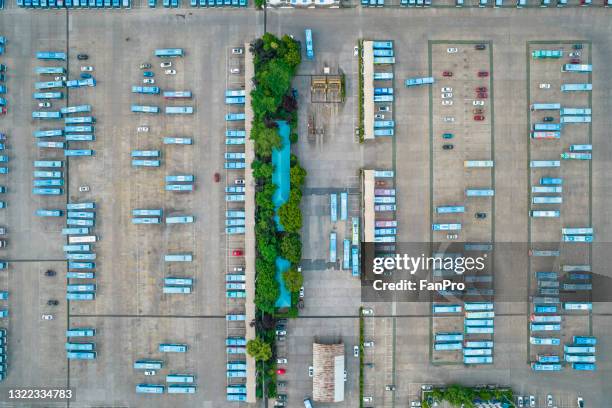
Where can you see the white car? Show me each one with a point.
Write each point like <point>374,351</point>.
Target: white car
<point>443,90</point>
<point>449,119</point>
<point>544,86</point>
<point>239,181</point>
<point>83,189</point>
<point>281,361</point>
<point>237,51</point>
<point>235,71</point>
<point>355,51</point>
<point>452,50</point>
<point>368,344</point>
<point>532,401</point>
<point>87,69</point>
<point>60,78</point>
<point>367,312</point>
<point>379,116</point>
<point>238,269</point>
<point>149,372</point>
<point>345,375</point>
<point>148,81</point>
<point>367,399</point>
<point>574,54</point>
<point>310,371</point>
<point>478,103</point>
<point>447,95</point>
<point>170,72</point>
<point>142,129</point>
<point>549,400</point>
<point>302,292</point>
<point>47,317</point>
<point>519,401</point>
<point>44,104</point>
<point>165,64</point>
<point>415,404</point>
<point>355,351</point>
<point>452,237</point>
<point>447,102</point>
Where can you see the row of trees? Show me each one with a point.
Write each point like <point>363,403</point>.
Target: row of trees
<point>276,61</point>
<point>460,396</point>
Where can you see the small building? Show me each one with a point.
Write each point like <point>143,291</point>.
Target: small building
<point>328,372</point>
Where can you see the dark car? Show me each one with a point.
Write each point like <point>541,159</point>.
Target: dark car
<point>548,119</point>
<point>479,117</point>
<point>482,95</point>
<point>52,302</point>
<point>481,215</point>
<point>447,136</point>
<point>82,57</point>
<point>448,146</point>
<point>577,46</point>
<point>380,183</point>
<point>483,74</point>
<point>217,177</point>
<point>481,89</point>
<point>447,73</point>
<point>480,47</point>
<point>478,111</point>
<point>85,75</point>
<point>2,78</point>
<point>575,61</point>
<point>49,272</point>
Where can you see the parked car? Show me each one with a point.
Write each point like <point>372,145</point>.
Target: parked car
<point>479,117</point>
<point>448,146</point>
<point>216,177</point>
<point>481,89</point>
<point>355,351</point>
<point>548,118</point>
<point>85,75</point>
<point>367,399</point>
<point>574,54</point>
<point>549,400</point>
<point>310,371</point>
<point>575,61</point>
<point>281,361</point>
<point>47,317</point>
<point>239,181</point>
<point>302,292</point>
<point>580,402</point>
<point>355,51</point>
<point>83,189</point>
<point>150,81</point>
<point>368,344</point>
<point>448,119</point>
<point>3,243</point>
<point>577,46</point>
<point>478,103</point>
<point>482,95</point>
<point>478,111</point>
<point>379,116</point>
<point>281,384</point>
<point>519,401</point>
<point>52,302</point>
<point>447,95</point>
<point>281,371</point>
<point>367,312</point>
<point>480,215</point>
<point>2,231</point>
<point>148,74</point>
<point>390,387</point>
<point>480,47</point>
<point>452,50</point>
<point>235,71</point>
<point>142,129</point>
<point>384,109</point>
<point>544,86</point>
<point>145,65</point>
<point>452,237</point>
<point>167,64</point>
<point>44,104</point>
<point>532,401</point>
<point>237,51</point>
<point>87,68</point>
<point>170,72</point>
<point>49,272</point>
<point>60,78</point>
<point>238,269</point>
<point>447,102</point>
<point>447,136</point>
<point>483,74</point>
<point>82,57</point>
<point>447,73</point>
<point>2,110</point>
<point>149,372</point>
<point>237,252</point>
<point>446,89</point>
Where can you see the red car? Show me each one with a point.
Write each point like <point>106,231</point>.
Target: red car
<point>482,95</point>
<point>217,177</point>
<point>575,61</point>
<point>483,74</point>
<point>2,110</point>
<point>381,183</point>
<point>481,89</point>
<point>237,252</point>
<point>447,73</point>
<point>281,371</point>
<point>479,117</point>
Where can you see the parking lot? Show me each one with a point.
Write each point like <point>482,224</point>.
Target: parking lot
<point>131,314</point>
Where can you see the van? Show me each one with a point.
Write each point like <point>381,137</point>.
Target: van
<point>307,403</point>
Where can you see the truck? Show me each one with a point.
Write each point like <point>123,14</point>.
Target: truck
<point>177,94</point>
<point>144,109</point>
<point>169,52</point>
<point>149,389</point>
<point>478,306</point>
<point>181,389</point>
<point>546,135</point>
<point>450,209</point>
<point>80,332</point>
<point>479,192</point>
<point>581,68</point>
<point>146,153</point>
<point>180,378</point>
<point>75,109</point>
<point>179,110</point>
<point>418,81</point>
<point>448,346</point>
<point>80,296</point>
<point>178,258</point>
<point>585,340</point>
<point>46,115</point>
<point>79,120</point>
<point>540,54</point>
<point>176,289</point>
<point>48,95</point>
<point>309,44</point>
<point>576,156</point>
<point>80,275</point>
<point>145,163</point>
<point>575,111</point>
<point>548,358</point>
<point>51,55</point>
<point>152,90</point>
<point>448,337</point>
<point>81,355</point>
<point>581,148</point>
<point>477,360</point>
<point>172,348</point>
<point>575,119</point>
<point>477,163</point>
<point>182,219</point>
<point>49,133</point>
<point>576,87</point>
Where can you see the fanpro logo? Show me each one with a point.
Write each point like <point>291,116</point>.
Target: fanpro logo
<point>413,265</point>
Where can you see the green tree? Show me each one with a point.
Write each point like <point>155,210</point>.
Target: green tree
<point>267,249</point>
<point>297,176</point>
<point>262,170</point>
<point>266,292</point>
<point>263,198</point>
<point>265,139</point>
<point>259,349</point>
<point>290,216</point>
<point>275,80</point>
<point>291,248</point>
<point>293,280</point>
